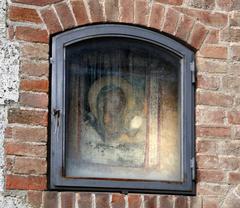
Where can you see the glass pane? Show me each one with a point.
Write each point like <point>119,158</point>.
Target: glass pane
<point>122,110</point>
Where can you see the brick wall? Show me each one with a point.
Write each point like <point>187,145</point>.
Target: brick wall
<point>212,27</point>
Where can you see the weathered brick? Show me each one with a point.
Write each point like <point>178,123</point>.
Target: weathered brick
<point>231,84</point>
<point>203,4</point>
<point>205,131</point>
<point>67,200</point>
<point>30,166</point>
<point>28,117</point>
<point>118,201</point>
<point>217,52</point>
<point>30,134</point>
<point>214,176</point>
<point>196,202</point>
<point>80,12</point>
<point>235,53</point>
<point>211,117</point>
<point>20,14</point>
<point>23,149</point>
<point>34,198</point>
<point>126,11</point>
<point>211,202</point>
<point>37,69</point>
<point>111,10</point>
<point>134,201</point>
<point>211,66</point>
<point>230,35</point>
<point>205,146</point>
<point>50,199</point>
<point>8,132</point>
<point>198,35</point>
<point>26,182</point>
<point>234,117</point>
<point>236,132</point>
<point>34,100</point>
<point>212,37</point>
<point>212,189</point>
<point>65,15</point>
<point>234,177</point>
<point>173,2</point>
<point>228,5</point>
<point>181,202</point>
<point>166,201</point>
<point>156,15</point>
<point>230,148</point>
<point>235,19</point>
<point>96,10</point>
<point>150,201</point>
<point>31,34</point>
<point>141,12</point>
<point>9,162</point>
<point>37,3</point>
<point>10,32</point>
<point>171,20</point>
<point>184,28</point>
<point>207,162</point>
<point>35,51</point>
<point>214,99</point>
<point>84,200</point>
<point>207,82</point>
<point>34,85</point>
<point>102,201</point>
<point>229,163</point>
<point>51,20</point>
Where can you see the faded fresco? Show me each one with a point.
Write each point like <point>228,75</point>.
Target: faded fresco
<point>122,119</point>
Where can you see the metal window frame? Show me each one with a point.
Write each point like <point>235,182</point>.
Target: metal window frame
<point>56,179</point>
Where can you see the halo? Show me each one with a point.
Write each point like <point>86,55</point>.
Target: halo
<point>110,80</point>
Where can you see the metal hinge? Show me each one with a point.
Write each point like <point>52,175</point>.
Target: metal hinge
<point>192,68</point>
<point>51,60</point>
<point>193,168</point>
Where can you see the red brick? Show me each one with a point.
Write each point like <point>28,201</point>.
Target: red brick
<point>29,134</point>
<point>80,12</point>
<point>65,15</point>
<point>173,2</point>
<point>111,10</point>
<point>230,35</point>
<point>102,201</point>
<point>205,146</point>
<point>84,200</point>
<point>209,18</point>
<point>9,162</point>
<point>166,201</point>
<point>31,34</point>
<point>234,117</point>
<point>34,100</point>
<point>198,35</point>
<point>10,32</point>
<point>214,176</point>
<point>222,132</point>
<point>50,200</point>
<point>134,201</point>
<point>228,5</point>
<point>68,200</point>
<point>171,20</point>
<point>229,163</point>
<point>30,166</point>
<point>8,132</point>
<point>37,69</point>
<point>212,189</point>
<point>28,117</point>
<point>35,51</point>
<point>22,149</point>
<point>214,117</point>
<point>181,202</point>
<point>235,53</point>
<point>214,99</point>
<point>150,201</point>
<point>34,198</point>
<point>195,202</point>
<point>212,67</point>
<point>20,14</point>
<point>156,16</point>
<point>234,177</point>
<point>26,182</point>
<point>184,28</point>
<point>207,162</point>
<point>34,85</point>
<point>126,11</point>
<point>51,20</point>
<point>207,82</point>
<point>96,10</point>
<point>37,3</point>
<point>118,201</point>
<point>217,52</point>
<point>141,12</point>
<point>212,37</point>
<point>211,202</point>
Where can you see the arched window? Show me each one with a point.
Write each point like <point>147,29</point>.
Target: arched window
<point>122,111</point>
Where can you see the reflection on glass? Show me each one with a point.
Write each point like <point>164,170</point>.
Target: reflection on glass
<point>122,111</point>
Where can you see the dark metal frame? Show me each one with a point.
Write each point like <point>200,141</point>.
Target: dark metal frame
<point>57,180</point>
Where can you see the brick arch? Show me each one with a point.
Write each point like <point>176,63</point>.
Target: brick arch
<point>62,16</point>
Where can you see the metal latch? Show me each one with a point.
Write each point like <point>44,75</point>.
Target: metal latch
<point>193,168</point>
<point>51,60</point>
<point>192,68</point>
<point>56,114</point>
